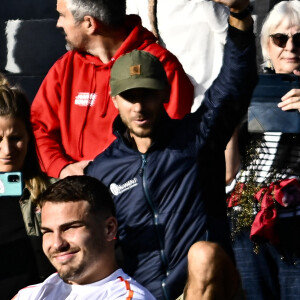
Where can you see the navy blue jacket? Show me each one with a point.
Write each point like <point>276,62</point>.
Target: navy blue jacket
<point>174,195</point>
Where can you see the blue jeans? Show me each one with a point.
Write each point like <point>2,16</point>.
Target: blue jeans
<point>266,275</point>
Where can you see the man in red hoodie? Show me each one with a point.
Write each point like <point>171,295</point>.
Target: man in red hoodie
<point>72,113</point>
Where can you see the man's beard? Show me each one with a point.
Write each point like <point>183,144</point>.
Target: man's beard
<point>69,46</point>
<point>146,133</point>
<point>69,270</point>
<point>72,273</point>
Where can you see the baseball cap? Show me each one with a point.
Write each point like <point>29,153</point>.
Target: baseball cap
<point>137,69</point>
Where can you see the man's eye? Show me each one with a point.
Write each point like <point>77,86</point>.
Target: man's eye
<point>73,227</point>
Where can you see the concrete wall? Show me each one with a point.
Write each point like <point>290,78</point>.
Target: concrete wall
<point>29,41</point>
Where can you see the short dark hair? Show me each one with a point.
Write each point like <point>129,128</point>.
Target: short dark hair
<point>109,12</point>
<point>78,188</point>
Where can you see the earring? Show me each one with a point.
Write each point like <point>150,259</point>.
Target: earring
<point>269,64</point>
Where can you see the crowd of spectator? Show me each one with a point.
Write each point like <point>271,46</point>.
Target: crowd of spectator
<point>141,175</point>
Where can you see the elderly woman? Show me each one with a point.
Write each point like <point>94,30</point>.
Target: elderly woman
<point>267,183</point>
<point>22,259</point>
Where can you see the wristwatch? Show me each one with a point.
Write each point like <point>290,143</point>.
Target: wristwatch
<point>244,13</point>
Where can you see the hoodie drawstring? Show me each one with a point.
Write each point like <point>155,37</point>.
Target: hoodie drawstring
<point>90,101</point>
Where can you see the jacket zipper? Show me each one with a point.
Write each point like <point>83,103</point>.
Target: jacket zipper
<point>156,223</point>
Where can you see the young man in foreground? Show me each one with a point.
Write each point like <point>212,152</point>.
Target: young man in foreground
<point>79,229</point>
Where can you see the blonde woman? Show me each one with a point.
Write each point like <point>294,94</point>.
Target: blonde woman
<point>22,259</point>
<point>268,183</point>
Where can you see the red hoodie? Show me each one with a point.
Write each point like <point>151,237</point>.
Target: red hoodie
<point>72,113</point>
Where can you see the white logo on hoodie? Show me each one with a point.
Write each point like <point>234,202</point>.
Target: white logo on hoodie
<point>85,99</point>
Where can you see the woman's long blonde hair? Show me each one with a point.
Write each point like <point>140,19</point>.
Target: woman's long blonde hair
<point>14,104</point>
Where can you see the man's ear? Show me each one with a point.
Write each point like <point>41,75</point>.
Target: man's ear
<point>114,99</point>
<point>90,24</point>
<point>111,228</point>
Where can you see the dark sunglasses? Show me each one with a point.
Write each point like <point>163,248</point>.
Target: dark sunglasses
<point>280,39</point>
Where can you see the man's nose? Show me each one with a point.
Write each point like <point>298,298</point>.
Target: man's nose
<point>59,242</point>
<point>138,106</point>
<point>58,23</point>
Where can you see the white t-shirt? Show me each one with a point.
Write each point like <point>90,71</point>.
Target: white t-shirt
<point>117,286</point>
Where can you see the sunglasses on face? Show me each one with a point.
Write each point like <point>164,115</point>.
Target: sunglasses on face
<point>280,39</point>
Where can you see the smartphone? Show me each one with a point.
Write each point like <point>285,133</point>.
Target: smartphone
<point>11,184</point>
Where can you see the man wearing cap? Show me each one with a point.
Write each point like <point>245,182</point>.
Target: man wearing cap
<point>72,113</point>
<point>167,176</point>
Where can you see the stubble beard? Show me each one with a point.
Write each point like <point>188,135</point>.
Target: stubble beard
<point>145,133</point>
<point>70,46</point>
<point>73,273</point>
<point>140,132</point>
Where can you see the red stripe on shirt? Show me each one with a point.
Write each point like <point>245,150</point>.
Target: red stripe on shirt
<point>127,285</point>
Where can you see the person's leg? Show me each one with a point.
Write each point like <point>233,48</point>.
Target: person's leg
<point>289,276</point>
<point>259,272</point>
<point>211,273</point>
